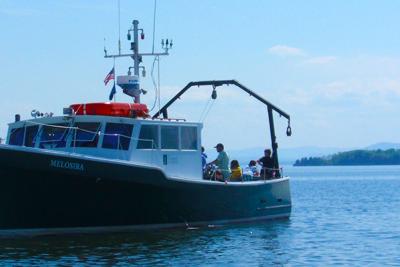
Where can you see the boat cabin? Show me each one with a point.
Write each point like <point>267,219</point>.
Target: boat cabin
<point>126,132</point>
<point>172,145</point>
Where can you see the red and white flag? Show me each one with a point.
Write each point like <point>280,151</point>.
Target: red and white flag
<point>110,76</point>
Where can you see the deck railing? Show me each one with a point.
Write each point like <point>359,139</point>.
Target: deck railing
<point>276,173</point>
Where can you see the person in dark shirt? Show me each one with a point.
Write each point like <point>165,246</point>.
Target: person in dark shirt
<point>267,165</point>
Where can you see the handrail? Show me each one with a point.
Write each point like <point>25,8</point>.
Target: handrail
<point>259,177</point>
<point>87,131</point>
<point>66,137</point>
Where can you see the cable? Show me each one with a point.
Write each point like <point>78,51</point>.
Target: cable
<point>205,116</point>
<point>156,87</point>
<point>154,84</point>
<point>204,109</point>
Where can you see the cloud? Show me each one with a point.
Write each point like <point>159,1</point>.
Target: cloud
<point>392,86</point>
<point>361,89</point>
<point>288,51</point>
<point>353,94</point>
<point>320,60</point>
<point>284,50</point>
<point>19,12</point>
<point>370,82</point>
<point>297,97</point>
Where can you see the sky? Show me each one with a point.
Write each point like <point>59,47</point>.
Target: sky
<point>334,66</point>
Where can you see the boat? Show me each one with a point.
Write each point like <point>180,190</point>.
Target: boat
<point>114,166</point>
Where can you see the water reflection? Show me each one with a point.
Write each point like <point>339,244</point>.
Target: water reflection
<point>341,216</point>
<point>219,245</point>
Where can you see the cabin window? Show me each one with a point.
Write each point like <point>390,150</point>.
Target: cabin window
<point>87,134</point>
<point>30,135</point>
<point>148,137</point>
<point>169,137</point>
<point>17,136</point>
<point>54,136</point>
<point>189,138</point>
<point>117,136</point>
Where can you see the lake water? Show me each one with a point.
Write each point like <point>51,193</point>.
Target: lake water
<point>341,216</point>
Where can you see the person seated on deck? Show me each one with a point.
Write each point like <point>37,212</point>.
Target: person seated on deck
<point>251,171</point>
<point>236,171</point>
<point>222,162</point>
<point>253,168</point>
<point>267,165</point>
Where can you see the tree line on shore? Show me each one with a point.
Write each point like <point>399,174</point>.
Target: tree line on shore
<point>354,157</point>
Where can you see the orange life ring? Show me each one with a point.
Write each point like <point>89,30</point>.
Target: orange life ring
<point>111,109</point>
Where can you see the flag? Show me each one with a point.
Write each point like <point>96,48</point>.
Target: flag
<point>112,93</point>
<point>110,76</point>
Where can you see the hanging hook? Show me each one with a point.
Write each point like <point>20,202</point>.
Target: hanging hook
<point>288,129</point>
<point>214,93</point>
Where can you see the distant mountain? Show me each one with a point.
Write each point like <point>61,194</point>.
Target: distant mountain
<point>355,157</point>
<point>290,155</point>
<point>383,146</point>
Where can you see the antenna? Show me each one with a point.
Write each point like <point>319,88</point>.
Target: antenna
<point>105,50</point>
<point>119,28</point>
<point>130,83</point>
<point>154,24</point>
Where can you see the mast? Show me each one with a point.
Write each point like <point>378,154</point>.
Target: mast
<point>131,83</point>
<point>135,47</point>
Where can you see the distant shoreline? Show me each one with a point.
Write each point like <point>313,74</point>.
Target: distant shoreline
<point>354,158</point>
<point>358,165</point>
